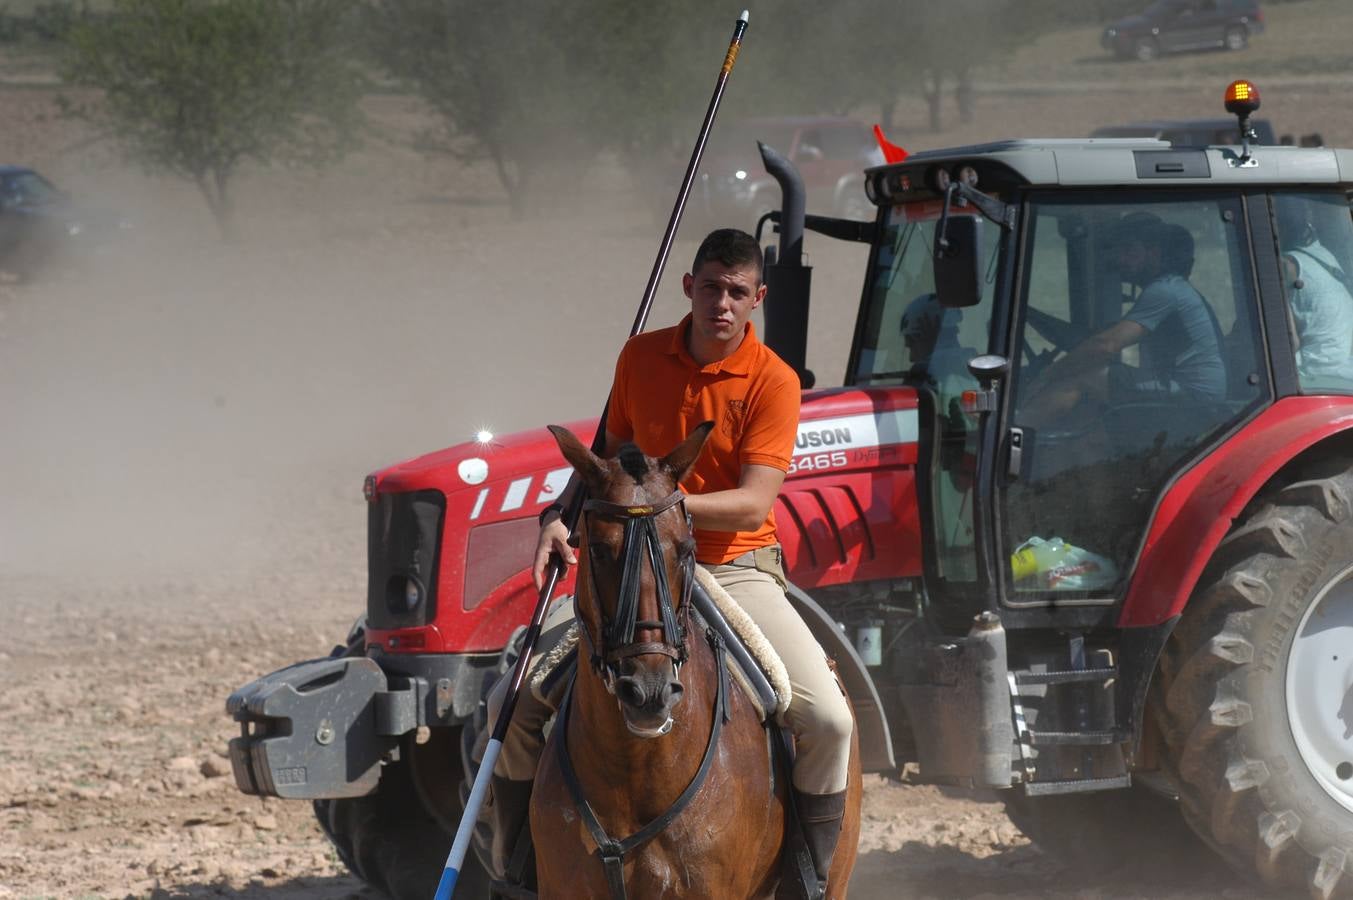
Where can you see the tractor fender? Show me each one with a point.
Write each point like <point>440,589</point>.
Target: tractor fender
<point>876,743</point>
<point>1199,508</point>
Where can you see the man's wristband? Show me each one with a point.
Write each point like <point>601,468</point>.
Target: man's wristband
<point>555,507</point>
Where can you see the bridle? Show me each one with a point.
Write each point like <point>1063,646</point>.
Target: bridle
<point>640,542</point>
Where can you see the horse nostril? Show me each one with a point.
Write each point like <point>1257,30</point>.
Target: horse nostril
<point>630,692</point>
<point>672,693</point>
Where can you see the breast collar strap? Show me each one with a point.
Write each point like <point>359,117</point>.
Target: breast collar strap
<point>610,850</point>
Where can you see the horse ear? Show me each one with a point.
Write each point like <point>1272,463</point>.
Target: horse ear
<point>583,460</point>
<point>684,455</point>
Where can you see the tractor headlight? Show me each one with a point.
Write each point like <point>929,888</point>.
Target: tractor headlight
<point>413,594</point>
<point>403,594</point>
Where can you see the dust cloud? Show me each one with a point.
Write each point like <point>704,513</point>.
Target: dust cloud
<point>172,401</point>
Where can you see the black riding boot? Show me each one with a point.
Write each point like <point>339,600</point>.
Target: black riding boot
<point>820,816</point>
<point>510,811</point>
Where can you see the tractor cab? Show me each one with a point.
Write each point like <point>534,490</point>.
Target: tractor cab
<point>1118,348</point>
<point>1126,300</point>
<point>1070,439</point>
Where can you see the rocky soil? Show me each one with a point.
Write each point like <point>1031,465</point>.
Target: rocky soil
<point>113,781</point>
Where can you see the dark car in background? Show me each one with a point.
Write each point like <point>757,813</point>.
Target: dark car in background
<point>35,218</point>
<point>830,153</point>
<point>38,220</point>
<point>1172,26</point>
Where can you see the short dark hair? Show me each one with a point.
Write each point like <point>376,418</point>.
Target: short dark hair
<point>1294,221</point>
<point>1174,242</point>
<point>1139,226</point>
<point>1176,250</point>
<point>732,248</point>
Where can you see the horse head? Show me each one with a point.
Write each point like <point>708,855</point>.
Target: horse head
<point>635,572</point>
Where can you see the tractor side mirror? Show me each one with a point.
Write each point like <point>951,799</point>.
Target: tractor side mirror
<point>958,261</point>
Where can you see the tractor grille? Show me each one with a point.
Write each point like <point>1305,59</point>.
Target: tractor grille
<point>404,537</point>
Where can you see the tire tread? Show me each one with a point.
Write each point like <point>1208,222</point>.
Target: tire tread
<point>1200,704</point>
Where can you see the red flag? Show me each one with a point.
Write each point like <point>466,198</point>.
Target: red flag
<point>891,152</point>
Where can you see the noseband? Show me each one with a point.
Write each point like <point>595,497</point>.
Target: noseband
<point>641,542</point>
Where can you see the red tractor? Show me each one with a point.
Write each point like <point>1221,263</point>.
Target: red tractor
<point>1128,607</point>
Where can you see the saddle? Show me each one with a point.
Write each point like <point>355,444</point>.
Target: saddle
<point>756,668</point>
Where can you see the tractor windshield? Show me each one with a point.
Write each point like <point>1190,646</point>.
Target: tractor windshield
<point>906,337</point>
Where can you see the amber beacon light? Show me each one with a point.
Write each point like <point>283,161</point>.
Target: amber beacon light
<point>1242,98</point>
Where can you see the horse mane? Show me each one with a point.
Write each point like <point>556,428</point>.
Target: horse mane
<point>633,461</point>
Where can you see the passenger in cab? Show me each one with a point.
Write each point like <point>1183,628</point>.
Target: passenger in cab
<point>1318,293</point>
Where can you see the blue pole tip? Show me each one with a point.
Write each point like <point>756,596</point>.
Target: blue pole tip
<point>447,884</point>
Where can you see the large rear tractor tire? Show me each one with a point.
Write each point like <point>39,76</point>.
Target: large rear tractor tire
<point>389,838</point>
<point>1255,690</point>
<point>1099,833</point>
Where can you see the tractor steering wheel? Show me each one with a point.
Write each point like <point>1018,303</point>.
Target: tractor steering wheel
<point>1060,335</point>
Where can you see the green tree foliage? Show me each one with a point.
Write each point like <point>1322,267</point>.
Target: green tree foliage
<point>45,22</point>
<point>196,88</point>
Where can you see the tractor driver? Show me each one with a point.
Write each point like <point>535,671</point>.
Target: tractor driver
<point>1180,339</point>
<point>710,366</point>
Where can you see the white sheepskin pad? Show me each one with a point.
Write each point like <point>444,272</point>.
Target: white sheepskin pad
<point>755,642</point>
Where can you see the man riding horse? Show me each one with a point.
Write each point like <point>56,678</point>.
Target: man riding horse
<point>710,367</point>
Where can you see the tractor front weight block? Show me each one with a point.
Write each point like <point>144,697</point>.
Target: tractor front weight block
<point>318,729</point>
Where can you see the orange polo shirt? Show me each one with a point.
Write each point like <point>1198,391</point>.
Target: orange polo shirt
<point>660,394</point>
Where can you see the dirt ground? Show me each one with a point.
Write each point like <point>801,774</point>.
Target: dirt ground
<point>186,424</point>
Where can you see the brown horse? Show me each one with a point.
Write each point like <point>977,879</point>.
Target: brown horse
<point>662,787</point>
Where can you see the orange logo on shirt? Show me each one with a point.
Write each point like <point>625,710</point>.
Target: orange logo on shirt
<point>734,417</point>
